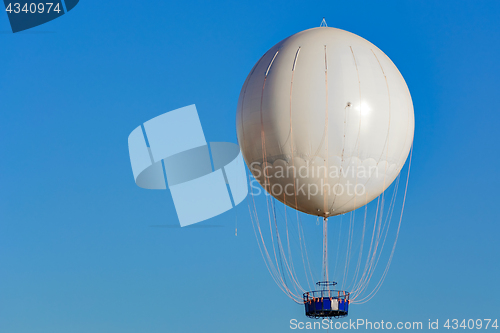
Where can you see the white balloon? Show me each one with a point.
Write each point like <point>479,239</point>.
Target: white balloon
<point>325,121</point>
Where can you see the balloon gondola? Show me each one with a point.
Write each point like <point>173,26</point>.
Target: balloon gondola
<point>326,302</point>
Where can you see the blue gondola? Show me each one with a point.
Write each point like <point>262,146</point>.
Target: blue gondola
<point>326,303</point>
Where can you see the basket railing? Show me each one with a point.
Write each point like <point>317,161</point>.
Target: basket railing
<point>321,294</point>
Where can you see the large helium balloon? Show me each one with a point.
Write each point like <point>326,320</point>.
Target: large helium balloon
<point>325,121</point>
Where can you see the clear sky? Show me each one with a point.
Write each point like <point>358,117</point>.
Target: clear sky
<point>78,248</point>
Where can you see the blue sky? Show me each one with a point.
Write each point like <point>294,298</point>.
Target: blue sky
<point>78,252</point>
